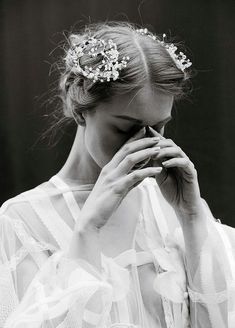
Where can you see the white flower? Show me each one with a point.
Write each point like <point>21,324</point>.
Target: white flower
<point>110,63</point>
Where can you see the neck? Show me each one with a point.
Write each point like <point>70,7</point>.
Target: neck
<point>80,166</point>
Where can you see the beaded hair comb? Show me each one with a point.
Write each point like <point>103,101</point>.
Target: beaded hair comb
<point>111,65</point>
<point>180,59</point>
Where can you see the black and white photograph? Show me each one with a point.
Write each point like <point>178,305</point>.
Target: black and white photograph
<point>117,134</point>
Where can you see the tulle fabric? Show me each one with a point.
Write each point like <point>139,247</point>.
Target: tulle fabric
<point>148,284</point>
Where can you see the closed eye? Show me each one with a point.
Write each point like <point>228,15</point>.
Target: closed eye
<point>135,128</point>
<point>128,131</point>
<point>158,128</point>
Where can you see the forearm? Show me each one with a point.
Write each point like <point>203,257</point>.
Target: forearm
<point>200,238</point>
<point>194,229</point>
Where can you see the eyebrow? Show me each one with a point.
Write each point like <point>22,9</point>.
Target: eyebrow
<point>129,118</point>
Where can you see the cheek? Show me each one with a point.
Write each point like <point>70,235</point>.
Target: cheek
<point>102,144</point>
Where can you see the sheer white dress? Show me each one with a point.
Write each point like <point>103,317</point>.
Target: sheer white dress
<point>145,281</point>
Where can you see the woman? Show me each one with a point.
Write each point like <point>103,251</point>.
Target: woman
<point>120,236</point>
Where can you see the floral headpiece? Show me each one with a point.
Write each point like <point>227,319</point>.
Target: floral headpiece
<point>110,66</point>
<point>180,59</point>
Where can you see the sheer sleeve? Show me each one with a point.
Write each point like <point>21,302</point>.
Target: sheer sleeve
<point>211,286</point>
<point>199,298</point>
<point>41,287</point>
<point>159,235</point>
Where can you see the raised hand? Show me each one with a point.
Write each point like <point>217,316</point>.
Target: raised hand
<point>178,180</point>
<point>117,178</point>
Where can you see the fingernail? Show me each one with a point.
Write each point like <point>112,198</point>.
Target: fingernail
<point>156,139</point>
<point>158,169</point>
<point>165,163</point>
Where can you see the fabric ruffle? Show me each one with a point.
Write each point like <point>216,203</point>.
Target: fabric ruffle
<point>52,292</point>
<point>117,276</point>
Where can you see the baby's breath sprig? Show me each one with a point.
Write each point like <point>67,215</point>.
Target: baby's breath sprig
<point>180,59</point>
<point>110,64</point>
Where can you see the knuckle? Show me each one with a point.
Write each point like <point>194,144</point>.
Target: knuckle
<point>109,180</point>
<point>193,166</point>
<point>148,170</point>
<point>103,173</point>
<point>117,188</point>
<point>163,151</point>
<point>146,140</point>
<point>126,148</point>
<point>195,172</point>
<point>134,176</point>
<point>179,149</point>
<point>129,159</point>
<point>105,170</point>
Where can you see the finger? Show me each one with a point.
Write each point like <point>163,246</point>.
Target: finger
<point>136,177</point>
<point>166,143</point>
<point>170,143</point>
<point>162,176</point>
<point>184,163</point>
<point>132,159</point>
<point>169,152</point>
<point>134,145</point>
<point>155,133</point>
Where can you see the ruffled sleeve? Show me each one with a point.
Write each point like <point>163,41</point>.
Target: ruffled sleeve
<point>64,293</point>
<point>204,297</point>
<point>41,287</point>
<point>211,286</point>
<point>159,234</point>
<point>19,251</point>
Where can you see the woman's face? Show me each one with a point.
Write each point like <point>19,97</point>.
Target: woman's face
<point>111,125</point>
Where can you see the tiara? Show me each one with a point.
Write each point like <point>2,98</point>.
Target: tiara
<point>180,59</point>
<point>110,65</point>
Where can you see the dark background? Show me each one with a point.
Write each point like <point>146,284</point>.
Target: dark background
<point>203,126</point>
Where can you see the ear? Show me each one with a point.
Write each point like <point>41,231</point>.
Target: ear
<point>80,119</point>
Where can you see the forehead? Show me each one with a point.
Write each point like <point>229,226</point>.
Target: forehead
<point>147,105</point>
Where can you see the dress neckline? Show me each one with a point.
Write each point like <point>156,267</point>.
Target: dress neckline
<point>71,184</point>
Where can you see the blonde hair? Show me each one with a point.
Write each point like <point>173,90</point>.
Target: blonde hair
<point>149,63</point>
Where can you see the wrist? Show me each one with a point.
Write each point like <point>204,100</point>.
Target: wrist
<point>85,243</point>
<point>193,209</point>
<point>84,228</point>
<point>191,214</point>
<point>85,225</point>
